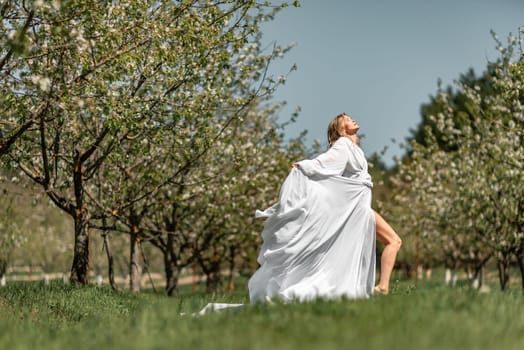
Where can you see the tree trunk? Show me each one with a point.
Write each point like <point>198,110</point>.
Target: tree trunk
<point>213,279</point>
<point>231,283</point>
<point>110,264</point>
<point>135,267</point>
<point>171,270</point>
<point>451,276</point>
<point>520,262</point>
<point>476,278</point>
<point>3,268</point>
<point>232,266</point>
<point>503,266</point>
<point>171,267</point>
<point>80,268</point>
<point>408,269</point>
<point>417,261</point>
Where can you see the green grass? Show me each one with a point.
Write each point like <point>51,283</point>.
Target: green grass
<point>426,316</point>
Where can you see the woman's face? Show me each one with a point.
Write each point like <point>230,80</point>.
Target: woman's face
<point>350,126</point>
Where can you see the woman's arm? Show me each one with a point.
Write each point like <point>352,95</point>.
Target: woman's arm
<point>332,162</point>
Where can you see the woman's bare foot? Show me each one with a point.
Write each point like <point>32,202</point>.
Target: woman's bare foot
<point>380,290</point>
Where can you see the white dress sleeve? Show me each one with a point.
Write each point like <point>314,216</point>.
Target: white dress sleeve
<point>332,162</point>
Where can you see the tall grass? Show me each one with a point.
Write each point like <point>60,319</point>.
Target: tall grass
<point>427,316</point>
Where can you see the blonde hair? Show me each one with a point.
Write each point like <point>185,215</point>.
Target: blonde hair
<point>334,131</point>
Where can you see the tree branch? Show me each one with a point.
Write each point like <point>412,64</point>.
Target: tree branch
<point>84,156</point>
<point>21,34</point>
<point>90,70</point>
<point>6,145</point>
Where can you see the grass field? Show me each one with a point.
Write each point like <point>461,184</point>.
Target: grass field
<point>426,316</point>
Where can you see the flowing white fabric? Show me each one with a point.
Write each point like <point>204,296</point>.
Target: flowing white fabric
<point>319,239</point>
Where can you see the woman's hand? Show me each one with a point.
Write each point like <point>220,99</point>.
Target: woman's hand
<point>295,165</point>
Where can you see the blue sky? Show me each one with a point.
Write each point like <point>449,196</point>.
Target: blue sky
<point>379,60</point>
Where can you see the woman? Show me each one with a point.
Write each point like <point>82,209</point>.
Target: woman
<point>319,239</point>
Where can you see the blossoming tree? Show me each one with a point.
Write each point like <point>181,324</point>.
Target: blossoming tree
<point>95,80</point>
<point>460,184</point>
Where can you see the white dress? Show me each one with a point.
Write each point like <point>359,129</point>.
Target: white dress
<point>319,239</point>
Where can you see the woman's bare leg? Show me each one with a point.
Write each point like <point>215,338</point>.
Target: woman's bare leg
<point>392,242</point>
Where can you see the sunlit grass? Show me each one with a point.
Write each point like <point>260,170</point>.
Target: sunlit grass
<point>426,316</point>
